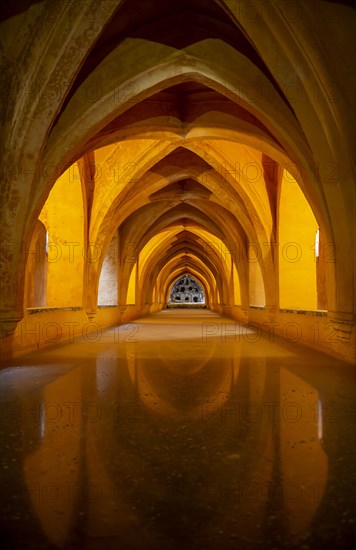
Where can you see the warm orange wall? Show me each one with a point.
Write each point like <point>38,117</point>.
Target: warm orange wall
<point>236,286</point>
<point>297,230</point>
<point>63,217</point>
<point>256,286</point>
<point>131,291</point>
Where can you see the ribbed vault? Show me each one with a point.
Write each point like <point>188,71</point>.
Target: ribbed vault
<point>181,142</point>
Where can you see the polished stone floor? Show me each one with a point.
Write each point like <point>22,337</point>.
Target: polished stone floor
<point>181,430</point>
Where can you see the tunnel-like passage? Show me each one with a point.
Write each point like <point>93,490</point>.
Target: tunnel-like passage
<point>153,153</point>
<point>204,153</point>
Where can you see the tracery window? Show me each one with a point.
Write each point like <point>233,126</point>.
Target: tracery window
<point>187,290</point>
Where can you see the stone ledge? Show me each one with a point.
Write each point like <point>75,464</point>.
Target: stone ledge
<point>313,312</point>
<point>186,306</point>
<point>32,310</point>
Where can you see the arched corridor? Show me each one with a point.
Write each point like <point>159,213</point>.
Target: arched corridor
<point>145,152</point>
<point>184,171</point>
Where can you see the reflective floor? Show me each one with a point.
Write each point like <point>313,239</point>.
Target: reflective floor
<point>182,430</point>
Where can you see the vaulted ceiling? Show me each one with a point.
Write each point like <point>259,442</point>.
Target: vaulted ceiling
<point>181,116</point>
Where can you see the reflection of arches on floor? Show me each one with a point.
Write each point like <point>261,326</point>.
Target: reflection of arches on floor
<point>36,268</point>
<point>186,290</point>
<point>156,396</point>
